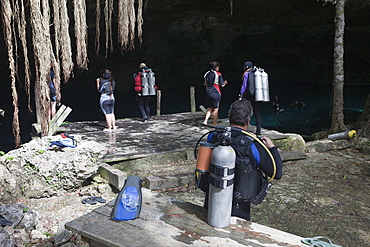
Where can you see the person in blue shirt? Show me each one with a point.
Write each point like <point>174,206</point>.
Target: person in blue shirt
<point>53,94</point>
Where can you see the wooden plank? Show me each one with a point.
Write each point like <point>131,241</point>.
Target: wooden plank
<point>159,99</point>
<point>102,231</point>
<point>58,119</point>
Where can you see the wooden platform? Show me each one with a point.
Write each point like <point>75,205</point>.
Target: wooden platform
<point>169,222</point>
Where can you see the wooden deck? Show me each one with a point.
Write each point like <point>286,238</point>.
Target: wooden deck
<point>166,221</point>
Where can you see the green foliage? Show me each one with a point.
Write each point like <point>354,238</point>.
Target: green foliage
<point>48,234</point>
<point>40,152</point>
<point>54,186</point>
<point>33,167</point>
<point>2,153</point>
<point>9,158</point>
<point>24,188</point>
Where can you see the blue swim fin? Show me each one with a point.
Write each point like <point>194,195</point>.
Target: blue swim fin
<point>129,200</point>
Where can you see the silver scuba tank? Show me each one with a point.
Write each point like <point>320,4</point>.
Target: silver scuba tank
<point>151,77</point>
<point>144,84</point>
<point>258,93</point>
<point>265,86</point>
<point>221,186</point>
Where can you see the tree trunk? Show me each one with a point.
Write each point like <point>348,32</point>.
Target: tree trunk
<point>337,118</point>
<point>363,123</point>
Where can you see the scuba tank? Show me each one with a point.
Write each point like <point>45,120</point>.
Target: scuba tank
<point>221,182</point>
<point>265,86</point>
<point>151,76</point>
<point>343,135</point>
<point>203,160</point>
<point>144,84</point>
<point>258,91</point>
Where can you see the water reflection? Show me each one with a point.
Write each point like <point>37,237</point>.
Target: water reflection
<point>111,138</point>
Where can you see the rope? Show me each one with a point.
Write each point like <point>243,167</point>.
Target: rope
<point>267,150</point>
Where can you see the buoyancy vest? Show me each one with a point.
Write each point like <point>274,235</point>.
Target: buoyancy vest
<point>105,87</point>
<point>138,83</point>
<point>249,179</point>
<point>212,80</point>
<point>251,82</point>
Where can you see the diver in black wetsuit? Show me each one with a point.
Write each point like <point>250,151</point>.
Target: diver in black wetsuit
<point>250,155</point>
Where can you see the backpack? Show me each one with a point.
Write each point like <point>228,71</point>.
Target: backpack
<point>250,183</point>
<point>106,86</point>
<point>138,84</point>
<point>67,141</point>
<point>251,85</point>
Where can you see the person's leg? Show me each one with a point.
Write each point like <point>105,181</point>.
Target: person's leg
<point>215,116</point>
<point>208,114</point>
<point>147,106</point>
<point>216,104</point>
<point>108,119</point>
<point>113,117</point>
<point>241,210</point>
<point>257,114</point>
<point>113,121</point>
<point>53,109</point>
<point>141,106</point>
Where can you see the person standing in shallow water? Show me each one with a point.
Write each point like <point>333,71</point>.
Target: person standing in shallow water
<point>105,86</point>
<point>213,81</point>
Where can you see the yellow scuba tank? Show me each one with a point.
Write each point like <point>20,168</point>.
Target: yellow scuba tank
<point>343,135</point>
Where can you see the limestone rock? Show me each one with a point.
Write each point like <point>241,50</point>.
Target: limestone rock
<point>36,170</point>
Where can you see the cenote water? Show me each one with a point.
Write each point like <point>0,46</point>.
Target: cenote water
<point>313,117</point>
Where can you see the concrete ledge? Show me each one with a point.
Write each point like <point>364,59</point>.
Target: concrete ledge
<point>327,145</point>
<point>162,182</point>
<point>113,175</point>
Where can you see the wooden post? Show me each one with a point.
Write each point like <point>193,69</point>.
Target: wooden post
<point>192,99</point>
<point>158,102</point>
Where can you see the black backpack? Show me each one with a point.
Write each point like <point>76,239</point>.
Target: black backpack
<point>250,183</point>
